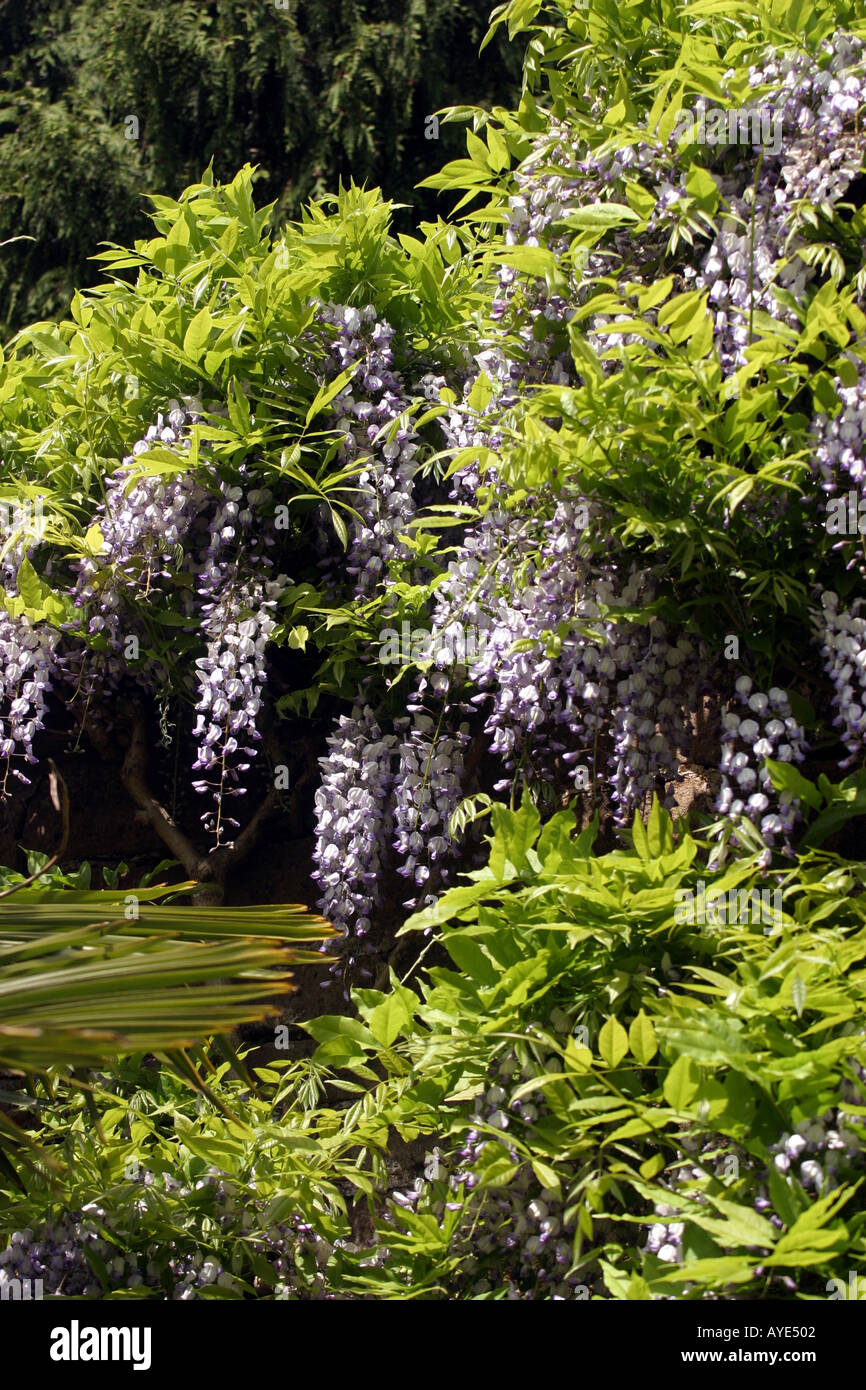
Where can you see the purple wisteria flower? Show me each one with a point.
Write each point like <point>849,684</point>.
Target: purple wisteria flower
<point>353,827</point>
<point>373,400</point>
<point>427,790</point>
<point>231,681</point>
<point>28,667</point>
<point>763,727</point>
<point>843,644</point>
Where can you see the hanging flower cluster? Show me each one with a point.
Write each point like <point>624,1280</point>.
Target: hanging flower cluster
<point>373,400</point>
<point>843,644</point>
<point>764,727</point>
<point>353,825</point>
<point>232,678</point>
<point>427,791</point>
<point>28,667</point>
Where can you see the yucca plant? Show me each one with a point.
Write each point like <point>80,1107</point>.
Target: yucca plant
<point>87,977</point>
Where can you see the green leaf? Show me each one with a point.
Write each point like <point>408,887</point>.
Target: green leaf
<point>744,1223</point>
<point>481,393</point>
<point>681,1083</point>
<point>786,777</point>
<point>683,315</point>
<point>660,840</point>
<point>198,333</point>
<point>557,851</point>
<point>533,260</point>
<point>31,587</point>
<point>740,1109</point>
<point>652,1166</point>
<point>782,1196</point>
<point>331,1026</point>
<point>811,1240</point>
<point>612,1042</point>
<point>468,956</point>
<point>223,1153</point>
<point>494,1168</point>
<point>600,217</point>
<point>327,391</point>
<point>239,408</point>
<point>514,832</point>
<point>656,293</point>
<point>834,817</point>
<point>640,840</point>
<point>623,1286</point>
<point>726,1269</point>
<point>450,905</point>
<point>641,201</point>
<point>157,461</point>
<point>701,186</point>
<point>547,1176</point>
<point>642,1039</point>
<point>94,540</point>
<point>808,1247</point>
<point>388,1020</point>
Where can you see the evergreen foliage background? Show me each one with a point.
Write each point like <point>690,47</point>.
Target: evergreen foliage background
<point>311,94</point>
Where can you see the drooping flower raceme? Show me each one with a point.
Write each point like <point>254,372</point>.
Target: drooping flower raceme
<point>28,665</point>
<point>145,523</point>
<point>843,644</point>
<point>363,410</point>
<point>427,790</point>
<point>763,727</point>
<point>839,459</point>
<point>649,723</point>
<point>353,825</point>
<point>231,680</point>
